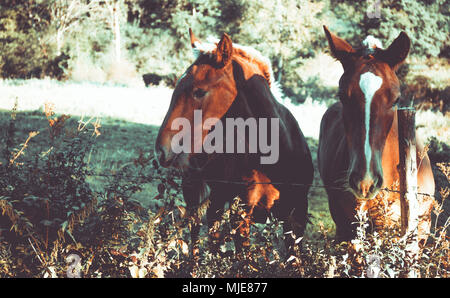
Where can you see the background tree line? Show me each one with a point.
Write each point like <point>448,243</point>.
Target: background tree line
<point>114,40</point>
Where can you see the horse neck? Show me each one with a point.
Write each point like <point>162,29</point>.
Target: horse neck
<point>390,156</point>
<point>254,98</point>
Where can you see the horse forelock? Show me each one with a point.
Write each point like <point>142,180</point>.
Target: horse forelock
<point>372,42</point>
<point>369,47</point>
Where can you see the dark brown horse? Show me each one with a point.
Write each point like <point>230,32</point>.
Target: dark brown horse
<point>228,81</point>
<point>358,144</point>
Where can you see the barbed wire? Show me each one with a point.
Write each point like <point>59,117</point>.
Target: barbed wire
<point>312,185</point>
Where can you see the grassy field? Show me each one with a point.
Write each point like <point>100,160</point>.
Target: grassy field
<point>130,117</point>
<point>121,142</point>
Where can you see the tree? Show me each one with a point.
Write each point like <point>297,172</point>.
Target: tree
<point>114,23</point>
<point>66,14</point>
<point>110,13</point>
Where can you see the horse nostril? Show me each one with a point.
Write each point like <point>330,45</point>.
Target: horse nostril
<point>379,181</point>
<point>367,187</point>
<point>160,154</point>
<point>373,185</point>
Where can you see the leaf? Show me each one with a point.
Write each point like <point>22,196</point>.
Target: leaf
<point>158,271</point>
<point>161,188</point>
<point>50,272</point>
<point>390,272</point>
<point>184,247</point>
<point>291,258</point>
<point>64,225</point>
<point>172,183</point>
<point>143,272</point>
<point>182,211</point>
<point>46,223</point>
<point>253,268</point>
<point>134,271</point>
<point>71,236</point>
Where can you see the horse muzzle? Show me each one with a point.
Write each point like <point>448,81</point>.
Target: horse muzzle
<point>182,161</point>
<point>167,158</point>
<point>366,187</point>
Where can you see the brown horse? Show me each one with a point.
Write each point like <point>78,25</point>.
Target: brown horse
<point>358,144</point>
<point>228,81</point>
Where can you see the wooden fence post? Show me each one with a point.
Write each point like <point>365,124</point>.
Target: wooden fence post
<point>408,183</point>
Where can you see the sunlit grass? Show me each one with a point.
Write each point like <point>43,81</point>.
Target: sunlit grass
<point>433,124</point>
<point>135,104</point>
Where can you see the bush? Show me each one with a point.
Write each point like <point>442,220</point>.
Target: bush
<point>48,210</point>
<point>26,48</point>
<point>44,196</point>
<point>425,22</point>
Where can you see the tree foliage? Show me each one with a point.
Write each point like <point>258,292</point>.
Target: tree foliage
<point>152,36</point>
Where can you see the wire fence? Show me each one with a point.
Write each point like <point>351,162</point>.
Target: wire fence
<point>250,183</point>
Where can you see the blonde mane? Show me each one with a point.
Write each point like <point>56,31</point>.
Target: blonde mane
<point>249,55</point>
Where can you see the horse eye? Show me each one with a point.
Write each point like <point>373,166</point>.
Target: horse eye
<point>395,104</point>
<point>199,93</point>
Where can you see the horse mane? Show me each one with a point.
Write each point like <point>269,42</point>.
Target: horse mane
<point>370,46</point>
<point>249,54</point>
<point>372,43</point>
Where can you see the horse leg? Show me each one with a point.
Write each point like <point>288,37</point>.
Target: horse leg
<point>213,215</point>
<point>194,192</point>
<point>293,211</point>
<point>342,217</point>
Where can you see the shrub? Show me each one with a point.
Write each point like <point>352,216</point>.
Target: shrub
<point>44,196</point>
<point>26,48</point>
<point>424,21</point>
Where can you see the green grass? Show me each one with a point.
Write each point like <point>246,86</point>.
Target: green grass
<point>123,138</point>
<point>130,116</point>
<point>121,142</point>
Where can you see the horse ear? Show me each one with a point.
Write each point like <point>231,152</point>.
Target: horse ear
<point>340,49</point>
<point>194,40</point>
<point>397,51</point>
<point>224,50</point>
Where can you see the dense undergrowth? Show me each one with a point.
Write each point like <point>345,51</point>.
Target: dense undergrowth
<point>53,224</point>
